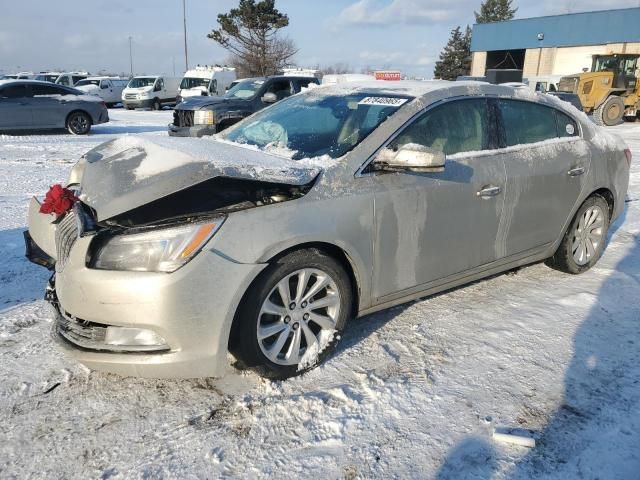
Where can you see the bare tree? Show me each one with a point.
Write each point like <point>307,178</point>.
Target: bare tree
<point>250,34</point>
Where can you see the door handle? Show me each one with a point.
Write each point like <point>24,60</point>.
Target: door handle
<point>574,172</point>
<point>489,191</point>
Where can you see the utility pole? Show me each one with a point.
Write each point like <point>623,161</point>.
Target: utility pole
<point>184,19</point>
<point>130,57</point>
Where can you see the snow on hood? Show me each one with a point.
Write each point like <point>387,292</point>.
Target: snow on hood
<point>132,171</point>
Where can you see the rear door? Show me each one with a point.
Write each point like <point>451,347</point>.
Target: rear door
<point>49,106</point>
<point>546,161</point>
<point>15,111</point>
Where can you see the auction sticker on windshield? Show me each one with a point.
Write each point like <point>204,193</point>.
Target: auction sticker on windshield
<point>384,101</point>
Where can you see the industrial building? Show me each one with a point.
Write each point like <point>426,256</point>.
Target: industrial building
<point>554,45</point>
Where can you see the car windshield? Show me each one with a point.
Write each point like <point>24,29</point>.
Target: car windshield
<point>194,83</point>
<point>244,89</point>
<point>142,82</point>
<point>315,124</point>
<point>88,82</point>
<point>47,78</point>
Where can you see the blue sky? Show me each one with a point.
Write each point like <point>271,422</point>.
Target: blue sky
<point>93,35</point>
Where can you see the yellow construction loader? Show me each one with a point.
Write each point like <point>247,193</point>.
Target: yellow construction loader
<point>611,90</point>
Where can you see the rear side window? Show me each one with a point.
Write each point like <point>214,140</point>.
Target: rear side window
<point>14,91</point>
<point>566,126</point>
<point>527,122</point>
<point>455,127</point>
<point>42,90</point>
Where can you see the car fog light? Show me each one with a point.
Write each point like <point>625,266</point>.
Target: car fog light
<point>133,337</point>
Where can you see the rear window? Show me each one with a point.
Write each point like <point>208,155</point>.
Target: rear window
<point>527,122</point>
<point>44,90</point>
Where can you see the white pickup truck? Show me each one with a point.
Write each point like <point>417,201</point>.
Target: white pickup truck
<point>108,88</point>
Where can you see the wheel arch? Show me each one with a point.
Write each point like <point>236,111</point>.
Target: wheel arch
<point>77,110</point>
<point>330,249</point>
<point>609,197</point>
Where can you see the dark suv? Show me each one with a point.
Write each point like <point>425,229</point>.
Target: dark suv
<point>198,116</point>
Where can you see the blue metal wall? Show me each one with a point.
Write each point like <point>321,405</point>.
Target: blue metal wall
<point>590,28</point>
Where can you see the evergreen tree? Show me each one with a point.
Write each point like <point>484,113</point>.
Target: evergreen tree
<point>250,34</point>
<point>495,11</point>
<point>455,58</point>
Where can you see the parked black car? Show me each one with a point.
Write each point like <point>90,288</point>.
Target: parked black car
<point>199,116</point>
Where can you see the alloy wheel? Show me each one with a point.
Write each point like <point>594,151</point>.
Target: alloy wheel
<point>79,124</point>
<point>298,316</point>
<point>588,235</point>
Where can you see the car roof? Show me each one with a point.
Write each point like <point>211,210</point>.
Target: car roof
<point>29,81</point>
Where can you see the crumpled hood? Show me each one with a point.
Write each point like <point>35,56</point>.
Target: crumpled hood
<point>129,172</point>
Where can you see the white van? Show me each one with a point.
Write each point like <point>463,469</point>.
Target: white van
<point>19,76</point>
<point>206,80</point>
<point>62,78</point>
<point>150,91</point>
<point>108,88</point>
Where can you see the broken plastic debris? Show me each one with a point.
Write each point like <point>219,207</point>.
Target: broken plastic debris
<point>514,439</point>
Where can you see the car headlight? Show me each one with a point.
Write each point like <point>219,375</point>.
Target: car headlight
<point>143,95</point>
<point>161,250</point>
<point>204,117</point>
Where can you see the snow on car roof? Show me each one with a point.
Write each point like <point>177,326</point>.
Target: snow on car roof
<point>414,88</point>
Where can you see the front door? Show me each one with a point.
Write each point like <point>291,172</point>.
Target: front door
<point>15,112</point>
<point>430,226</point>
<point>547,162</point>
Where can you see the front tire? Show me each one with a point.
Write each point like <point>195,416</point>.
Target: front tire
<point>610,113</point>
<point>157,105</point>
<point>293,315</point>
<point>585,239</point>
<point>78,123</point>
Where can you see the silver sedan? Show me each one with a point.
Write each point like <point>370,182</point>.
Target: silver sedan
<point>27,105</point>
<point>335,203</point>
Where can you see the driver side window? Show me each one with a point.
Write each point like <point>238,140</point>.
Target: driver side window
<point>159,85</point>
<point>455,127</point>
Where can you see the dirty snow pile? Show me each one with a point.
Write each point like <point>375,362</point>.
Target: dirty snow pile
<point>413,392</point>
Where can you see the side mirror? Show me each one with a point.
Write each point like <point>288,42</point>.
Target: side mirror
<point>410,157</point>
<point>269,98</point>
<point>157,88</point>
<point>104,86</point>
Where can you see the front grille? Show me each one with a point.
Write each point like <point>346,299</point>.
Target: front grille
<point>568,84</point>
<point>66,236</point>
<point>130,96</point>
<point>183,118</point>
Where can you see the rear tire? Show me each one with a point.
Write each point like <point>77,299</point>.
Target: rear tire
<point>283,337</point>
<point>585,238</point>
<point>610,113</point>
<point>78,123</point>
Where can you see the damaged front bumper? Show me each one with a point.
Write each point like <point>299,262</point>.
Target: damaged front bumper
<point>35,254</point>
<point>193,131</point>
<point>148,324</point>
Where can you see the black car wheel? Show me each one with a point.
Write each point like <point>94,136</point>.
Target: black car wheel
<point>78,123</point>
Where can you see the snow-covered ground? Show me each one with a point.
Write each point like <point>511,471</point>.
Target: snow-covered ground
<point>413,392</point>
